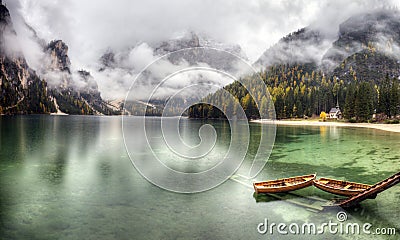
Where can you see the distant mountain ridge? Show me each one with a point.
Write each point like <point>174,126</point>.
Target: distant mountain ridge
<point>198,55</point>
<point>112,58</point>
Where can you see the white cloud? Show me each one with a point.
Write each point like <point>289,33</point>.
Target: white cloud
<point>88,26</point>
<point>91,27</point>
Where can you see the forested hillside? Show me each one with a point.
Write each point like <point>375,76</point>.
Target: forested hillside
<point>302,90</point>
<point>359,71</point>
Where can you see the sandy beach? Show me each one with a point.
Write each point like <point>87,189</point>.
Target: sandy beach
<point>384,127</point>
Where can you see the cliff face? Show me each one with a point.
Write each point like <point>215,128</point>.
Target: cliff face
<point>367,42</point>
<point>58,51</point>
<point>13,65</point>
<point>21,89</point>
<point>75,92</point>
<point>57,69</point>
<point>377,31</point>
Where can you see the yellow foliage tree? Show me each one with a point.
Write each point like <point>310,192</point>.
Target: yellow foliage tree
<point>323,116</point>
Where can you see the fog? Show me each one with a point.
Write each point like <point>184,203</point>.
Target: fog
<point>90,28</point>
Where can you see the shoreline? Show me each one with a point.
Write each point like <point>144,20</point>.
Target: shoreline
<point>384,127</point>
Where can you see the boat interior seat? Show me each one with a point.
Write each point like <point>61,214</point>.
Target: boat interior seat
<point>348,186</point>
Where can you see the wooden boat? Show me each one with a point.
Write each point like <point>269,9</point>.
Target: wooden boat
<point>340,187</point>
<point>284,184</point>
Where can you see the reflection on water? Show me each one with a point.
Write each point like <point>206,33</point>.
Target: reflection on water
<point>70,177</point>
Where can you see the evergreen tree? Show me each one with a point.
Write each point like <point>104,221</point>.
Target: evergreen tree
<point>348,111</point>
<point>384,97</point>
<point>299,90</point>
<point>394,102</point>
<point>363,102</point>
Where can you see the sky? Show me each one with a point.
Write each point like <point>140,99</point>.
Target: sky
<point>89,28</point>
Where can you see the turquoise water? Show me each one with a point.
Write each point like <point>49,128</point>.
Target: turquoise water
<point>69,177</point>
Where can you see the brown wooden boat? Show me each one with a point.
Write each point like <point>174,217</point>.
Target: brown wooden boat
<point>340,187</point>
<point>284,184</point>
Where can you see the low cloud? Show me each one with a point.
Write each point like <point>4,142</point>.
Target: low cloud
<point>154,75</point>
<point>390,48</point>
<point>89,29</point>
<point>297,51</point>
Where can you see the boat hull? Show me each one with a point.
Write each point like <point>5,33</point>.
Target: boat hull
<point>339,187</point>
<point>284,184</point>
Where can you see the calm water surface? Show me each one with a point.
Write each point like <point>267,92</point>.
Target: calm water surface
<point>69,177</point>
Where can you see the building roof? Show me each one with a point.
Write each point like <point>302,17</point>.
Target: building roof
<point>334,110</point>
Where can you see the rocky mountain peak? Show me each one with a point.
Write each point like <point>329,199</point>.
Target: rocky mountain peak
<point>107,60</point>
<point>114,59</point>
<point>194,40</point>
<point>90,84</point>
<point>21,90</point>
<point>188,40</point>
<point>7,34</point>
<point>4,15</point>
<point>378,30</point>
<point>11,52</point>
<point>365,26</point>
<point>58,51</point>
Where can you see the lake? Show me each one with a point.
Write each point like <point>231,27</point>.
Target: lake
<point>70,177</point>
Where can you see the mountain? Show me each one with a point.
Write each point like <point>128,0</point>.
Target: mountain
<point>115,59</point>
<point>22,91</point>
<point>58,51</point>
<point>367,48</point>
<point>376,31</point>
<point>74,92</point>
<point>193,40</point>
<point>302,46</point>
<point>54,87</point>
<point>367,65</point>
<point>319,66</point>
<point>198,55</point>
<point>308,72</point>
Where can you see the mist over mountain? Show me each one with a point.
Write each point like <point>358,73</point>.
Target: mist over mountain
<point>363,46</point>
<point>377,30</point>
<point>67,85</point>
<point>187,49</point>
<point>303,46</point>
<point>193,40</point>
<point>52,88</point>
<point>309,72</point>
<point>22,91</point>
<point>127,58</point>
